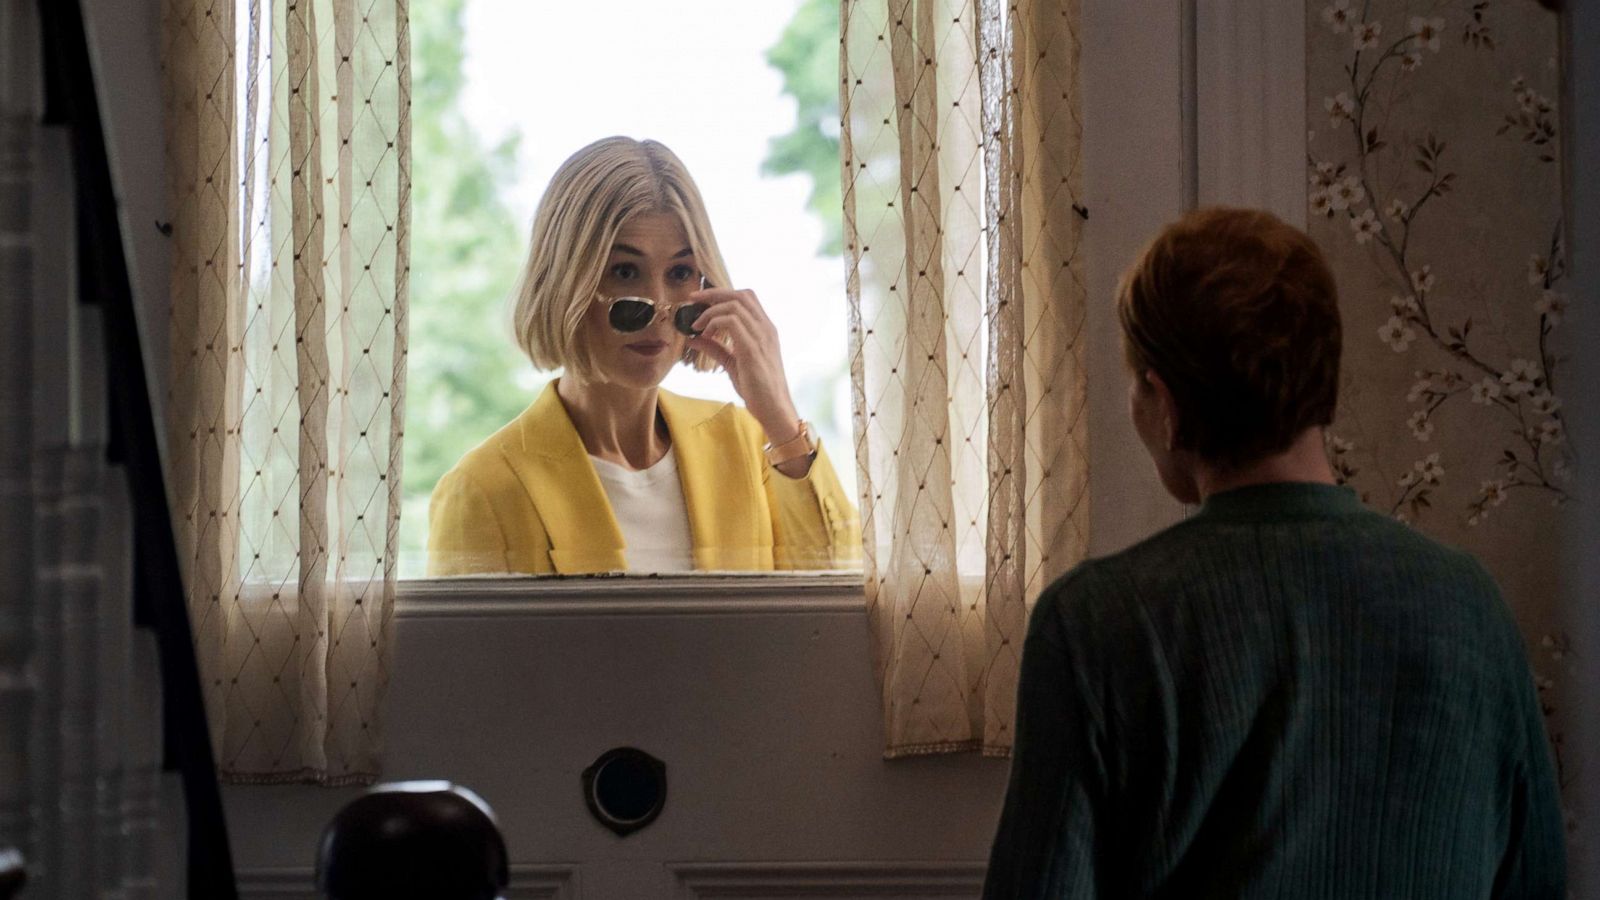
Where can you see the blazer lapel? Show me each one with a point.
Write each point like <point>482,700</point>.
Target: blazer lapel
<point>722,497</point>
<point>555,471</point>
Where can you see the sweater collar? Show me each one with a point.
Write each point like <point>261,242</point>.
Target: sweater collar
<point>1296,499</point>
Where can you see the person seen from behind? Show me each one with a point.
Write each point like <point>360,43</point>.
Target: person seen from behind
<point>1286,694</point>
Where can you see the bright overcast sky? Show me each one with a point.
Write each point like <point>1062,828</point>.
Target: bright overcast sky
<point>691,74</point>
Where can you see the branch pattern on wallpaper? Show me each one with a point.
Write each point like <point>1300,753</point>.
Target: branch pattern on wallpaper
<point>1517,394</point>
<point>1474,305</point>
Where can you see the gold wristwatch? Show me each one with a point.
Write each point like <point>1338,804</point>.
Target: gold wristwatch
<point>802,444</point>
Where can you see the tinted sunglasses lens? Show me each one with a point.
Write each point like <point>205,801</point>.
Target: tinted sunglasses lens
<point>684,318</point>
<point>629,314</point>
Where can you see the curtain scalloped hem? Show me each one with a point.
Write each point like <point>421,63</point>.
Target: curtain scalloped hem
<point>908,751</point>
<point>300,776</point>
<point>291,218</point>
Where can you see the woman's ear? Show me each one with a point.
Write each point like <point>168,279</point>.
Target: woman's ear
<point>1167,408</point>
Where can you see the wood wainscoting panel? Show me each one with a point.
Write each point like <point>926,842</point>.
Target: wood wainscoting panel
<point>919,880</point>
<point>528,882</point>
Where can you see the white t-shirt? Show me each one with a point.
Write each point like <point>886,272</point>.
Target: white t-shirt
<point>650,512</point>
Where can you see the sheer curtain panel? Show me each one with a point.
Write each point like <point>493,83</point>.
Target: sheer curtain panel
<point>960,141</point>
<point>288,169</point>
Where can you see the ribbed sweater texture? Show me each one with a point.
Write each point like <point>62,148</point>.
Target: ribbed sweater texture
<point>1286,695</point>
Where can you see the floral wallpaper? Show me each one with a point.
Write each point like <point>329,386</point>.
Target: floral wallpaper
<point>1433,162</point>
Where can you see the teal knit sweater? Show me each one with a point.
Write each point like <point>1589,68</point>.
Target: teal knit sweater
<point>1286,695</point>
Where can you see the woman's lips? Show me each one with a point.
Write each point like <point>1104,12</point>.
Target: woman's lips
<point>647,348</point>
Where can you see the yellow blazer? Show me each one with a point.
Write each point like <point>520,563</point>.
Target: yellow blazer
<point>528,499</point>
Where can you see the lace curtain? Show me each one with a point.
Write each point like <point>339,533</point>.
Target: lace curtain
<point>960,141</point>
<point>287,127</point>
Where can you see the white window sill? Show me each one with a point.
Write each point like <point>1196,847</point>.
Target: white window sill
<point>687,594</point>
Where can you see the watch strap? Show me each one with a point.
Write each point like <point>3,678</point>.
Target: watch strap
<point>802,444</point>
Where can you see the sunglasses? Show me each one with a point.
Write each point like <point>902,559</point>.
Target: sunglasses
<point>630,314</point>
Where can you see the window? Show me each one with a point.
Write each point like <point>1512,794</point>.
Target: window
<point>503,91</point>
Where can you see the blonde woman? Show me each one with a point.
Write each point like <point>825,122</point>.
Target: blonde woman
<point>606,471</point>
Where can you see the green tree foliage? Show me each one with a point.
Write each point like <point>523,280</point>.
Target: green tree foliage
<point>807,54</point>
<point>465,376</point>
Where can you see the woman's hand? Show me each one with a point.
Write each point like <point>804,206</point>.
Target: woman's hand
<point>739,337</point>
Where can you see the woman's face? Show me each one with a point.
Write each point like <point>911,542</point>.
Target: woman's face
<point>650,258</point>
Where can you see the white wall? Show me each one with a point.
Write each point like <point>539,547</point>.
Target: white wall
<point>1226,78</point>
<point>1134,183</point>
<point>125,48</point>
<point>1250,103</point>
<point>766,717</point>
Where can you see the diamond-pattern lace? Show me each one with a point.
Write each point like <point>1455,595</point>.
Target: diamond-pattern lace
<point>960,137</point>
<point>289,183</point>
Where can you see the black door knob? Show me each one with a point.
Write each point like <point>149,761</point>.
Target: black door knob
<point>13,874</point>
<point>413,839</point>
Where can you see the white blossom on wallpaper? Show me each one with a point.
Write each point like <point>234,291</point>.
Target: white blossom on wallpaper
<point>1434,190</point>
<point>1554,656</point>
<point>1512,395</point>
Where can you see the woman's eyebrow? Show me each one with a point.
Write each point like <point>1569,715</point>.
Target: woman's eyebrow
<point>635,251</point>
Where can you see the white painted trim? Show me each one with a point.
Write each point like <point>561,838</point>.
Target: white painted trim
<point>21,75</point>
<point>829,879</point>
<point>529,881</point>
<point>1581,144</point>
<point>1250,73</point>
<point>296,882</point>
<point>1187,104</point>
<point>435,598</point>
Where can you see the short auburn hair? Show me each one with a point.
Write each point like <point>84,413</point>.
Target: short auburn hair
<point>597,191</point>
<point>1238,313</point>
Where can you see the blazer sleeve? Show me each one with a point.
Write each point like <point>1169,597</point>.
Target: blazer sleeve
<point>814,524</point>
<point>468,535</point>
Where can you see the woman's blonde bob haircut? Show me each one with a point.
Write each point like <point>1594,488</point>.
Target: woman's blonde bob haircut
<point>591,197</point>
